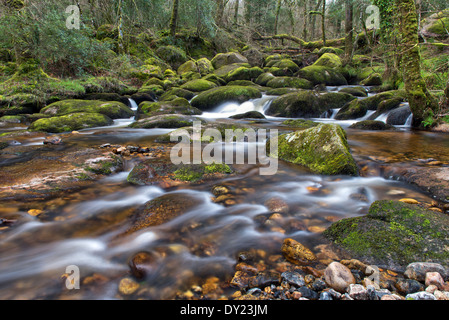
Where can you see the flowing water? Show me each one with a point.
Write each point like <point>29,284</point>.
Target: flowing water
<point>81,228</point>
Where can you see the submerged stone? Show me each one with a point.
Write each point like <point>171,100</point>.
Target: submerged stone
<point>71,122</point>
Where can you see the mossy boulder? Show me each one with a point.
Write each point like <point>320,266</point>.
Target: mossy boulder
<point>336,51</point>
<point>352,110</point>
<point>205,66</point>
<point>394,234</point>
<point>213,98</point>
<point>189,66</point>
<point>168,121</point>
<point>226,69</point>
<point>300,123</point>
<point>307,104</point>
<point>174,56</point>
<point>436,25</point>
<point>264,78</point>
<point>323,149</point>
<point>165,174</point>
<point>289,82</point>
<point>330,60</point>
<point>223,59</point>
<point>215,79</point>
<point>198,85</point>
<point>112,109</point>
<point>286,64</point>
<point>244,73</point>
<point>248,115</point>
<point>322,75</point>
<point>374,79</point>
<point>71,122</point>
<point>176,106</point>
<point>177,92</point>
<point>356,91</point>
<point>371,125</point>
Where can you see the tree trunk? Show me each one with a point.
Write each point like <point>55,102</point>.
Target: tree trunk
<point>220,13</point>
<point>236,12</point>
<point>349,30</point>
<point>422,103</point>
<point>174,18</point>
<point>276,20</point>
<point>314,20</point>
<point>306,19</point>
<point>323,21</point>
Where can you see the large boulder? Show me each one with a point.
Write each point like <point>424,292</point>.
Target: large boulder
<point>198,85</point>
<point>244,73</point>
<point>393,235</point>
<point>176,106</point>
<point>112,109</point>
<point>322,75</point>
<point>307,104</point>
<point>174,56</point>
<point>330,60</point>
<point>71,122</point>
<point>167,121</point>
<point>323,149</point>
<point>213,98</point>
<point>289,82</point>
<point>223,59</point>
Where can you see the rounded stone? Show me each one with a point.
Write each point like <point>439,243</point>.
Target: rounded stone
<point>338,277</point>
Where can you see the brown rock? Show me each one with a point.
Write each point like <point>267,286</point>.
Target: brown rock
<point>338,277</point>
<point>297,253</point>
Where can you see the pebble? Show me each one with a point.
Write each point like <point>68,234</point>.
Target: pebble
<point>409,201</point>
<point>434,278</point>
<point>422,295</point>
<point>358,292</point>
<point>128,286</point>
<point>418,270</point>
<point>408,286</point>
<point>297,253</point>
<point>293,278</point>
<point>338,277</point>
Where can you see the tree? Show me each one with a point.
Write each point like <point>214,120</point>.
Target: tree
<point>422,103</point>
<point>278,11</point>
<point>349,30</point>
<point>174,18</point>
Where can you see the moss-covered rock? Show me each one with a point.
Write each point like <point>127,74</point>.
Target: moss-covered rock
<point>168,121</point>
<point>174,56</point>
<point>213,98</point>
<point>198,85</point>
<point>286,64</point>
<point>394,234</point>
<point>215,79</point>
<point>352,110</point>
<point>322,75</point>
<point>374,79</point>
<point>371,125</point>
<point>189,66</point>
<point>264,78</point>
<point>436,25</point>
<point>244,73</point>
<point>323,149</point>
<point>70,122</point>
<point>176,106</point>
<point>336,51</point>
<point>112,109</point>
<point>205,66</point>
<point>248,115</point>
<point>307,104</point>
<point>329,60</point>
<point>175,93</point>
<point>223,59</point>
<point>300,123</point>
<point>355,91</point>
<point>289,82</point>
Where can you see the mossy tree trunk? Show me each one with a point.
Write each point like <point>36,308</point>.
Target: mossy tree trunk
<point>422,103</point>
<point>276,20</point>
<point>236,12</point>
<point>323,23</point>
<point>349,30</point>
<point>174,18</point>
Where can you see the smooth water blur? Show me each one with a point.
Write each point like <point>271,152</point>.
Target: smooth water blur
<point>83,228</point>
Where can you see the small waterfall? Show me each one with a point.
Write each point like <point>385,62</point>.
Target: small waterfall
<point>409,121</point>
<point>383,117</point>
<point>133,104</point>
<point>232,108</point>
<point>367,116</point>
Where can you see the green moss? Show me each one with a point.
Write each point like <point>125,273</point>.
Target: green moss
<point>330,60</point>
<point>195,173</point>
<point>322,75</point>
<point>286,64</point>
<point>105,167</point>
<point>71,122</point>
<point>198,85</point>
<point>289,82</point>
<point>112,109</point>
<point>244,73</point>
<point>211,99</point>
<point>300,123</point>
<point>323,149</point>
